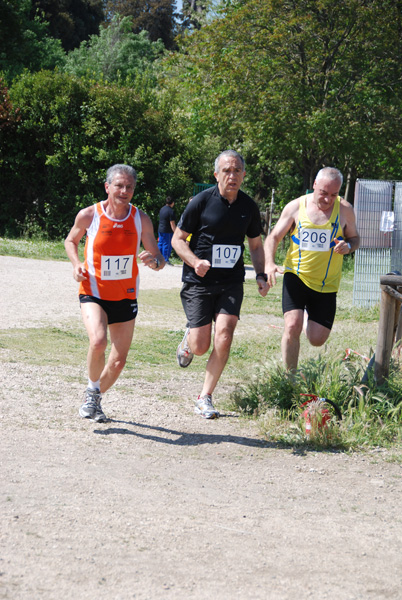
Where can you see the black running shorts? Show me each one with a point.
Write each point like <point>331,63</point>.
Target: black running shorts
<point>320,306</point>
<point>117,311</point>
<point>202,303</point>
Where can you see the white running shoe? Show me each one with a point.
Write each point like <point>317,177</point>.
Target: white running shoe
<point>91,409</point>
<point>184,355</point>
<point>205,408</point>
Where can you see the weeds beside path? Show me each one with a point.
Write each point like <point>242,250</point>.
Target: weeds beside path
<point>158,503</point>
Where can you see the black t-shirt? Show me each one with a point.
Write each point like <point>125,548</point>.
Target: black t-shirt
<point>166,214</point>
<point>218,231</point>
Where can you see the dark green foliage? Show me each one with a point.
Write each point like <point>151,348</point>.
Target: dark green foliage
<point>157,17</point>
<point>70,132</point>
<point>298,85</point>
<point>115,55</point>
<point>8,115</point>
<point>291,85</point>
<point>70,21</point>
<point>25,41</point>
<point>43,156</point>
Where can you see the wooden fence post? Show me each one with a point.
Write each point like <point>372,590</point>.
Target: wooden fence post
<point>389,316</point>
<point>398,333</point>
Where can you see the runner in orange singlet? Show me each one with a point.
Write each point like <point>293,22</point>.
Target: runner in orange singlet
<point>109,279</point>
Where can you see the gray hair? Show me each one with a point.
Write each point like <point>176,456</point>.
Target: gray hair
<point>112,171</point>
<point>330,173</point>
<point>231,153</point>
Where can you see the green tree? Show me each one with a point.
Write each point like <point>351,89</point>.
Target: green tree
<point>70,21</point>
<point>70,130</point>
<point>157,17</point>
<point>25,43</point>
<point>195,13</point>
<point>9,116</point>
<point>296,84</point>
<point>115,54</point>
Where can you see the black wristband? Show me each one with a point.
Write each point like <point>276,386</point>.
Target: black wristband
<point>263,275</point>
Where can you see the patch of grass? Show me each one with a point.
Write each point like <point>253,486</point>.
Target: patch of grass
<point>149,351</point>
<point>33,248</point>
<point>358,314</point>
<point>290,430</point>
<point>45,345</point>
<point>162,305</point>
<point>255,304</point>
<point>269,386</point>
<point>372,415</point>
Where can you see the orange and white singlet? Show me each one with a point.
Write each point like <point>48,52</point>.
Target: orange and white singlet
<point>111,250</point>
<point>311,253</point>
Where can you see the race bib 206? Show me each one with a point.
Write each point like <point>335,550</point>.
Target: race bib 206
<point>315,239</point>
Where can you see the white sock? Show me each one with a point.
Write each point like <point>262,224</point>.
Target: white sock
<point>94,385</point>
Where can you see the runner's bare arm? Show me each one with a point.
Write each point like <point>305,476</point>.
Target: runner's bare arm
<point>150,256</point>
<point>351,240</point>
<point>257,258</point>
<point>183,250</point>
<point>82,221</point>
<point>285,223</point>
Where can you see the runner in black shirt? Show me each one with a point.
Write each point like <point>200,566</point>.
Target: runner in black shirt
<point>219,219</point>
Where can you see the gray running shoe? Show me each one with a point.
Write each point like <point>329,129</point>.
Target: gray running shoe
<point>91,409</point>
<point>204,407</point>
<point>184,354</point>
<point>100,416</point>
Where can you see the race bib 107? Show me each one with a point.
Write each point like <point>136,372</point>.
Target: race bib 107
<point>117,267</point>
<point>317,240</point>
<point>224,256</point>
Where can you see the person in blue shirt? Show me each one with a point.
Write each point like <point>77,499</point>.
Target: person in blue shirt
<point>167,225</point>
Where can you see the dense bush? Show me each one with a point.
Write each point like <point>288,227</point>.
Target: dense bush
<point>371,413</point>
<point>70,131</point>
<point>115,54</point>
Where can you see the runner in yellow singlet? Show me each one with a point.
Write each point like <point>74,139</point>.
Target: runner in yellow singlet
<point>322,226</point>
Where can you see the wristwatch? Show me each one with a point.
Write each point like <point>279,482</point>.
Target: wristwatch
<point>349,246</point>
<point>263,276</point>
<point>156,262</point>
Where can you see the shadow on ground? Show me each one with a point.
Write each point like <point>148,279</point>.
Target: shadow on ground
<point>181,438</point>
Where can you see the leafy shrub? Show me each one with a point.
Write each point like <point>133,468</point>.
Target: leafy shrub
<point>371,414</point>
<point>115,54</point>
<point>269,387</point>
<point>70,131</point>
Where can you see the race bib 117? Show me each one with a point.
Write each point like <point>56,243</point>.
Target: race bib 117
<point>117,267</point>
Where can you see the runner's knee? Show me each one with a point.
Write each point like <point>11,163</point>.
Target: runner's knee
<point>117,364</point>
<point>98,344</point>
<point>317,334</point>
<point>223,338</point>
<point>200,346</point>
<point>317,339</point>
<point>293,327</point>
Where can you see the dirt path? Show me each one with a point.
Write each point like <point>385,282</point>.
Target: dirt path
<point>159,503</point>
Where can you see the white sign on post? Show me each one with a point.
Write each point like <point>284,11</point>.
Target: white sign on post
<point>387,221</point>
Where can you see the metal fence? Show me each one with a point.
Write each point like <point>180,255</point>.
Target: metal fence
<point>378,208</point>
<point>200,187</point>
